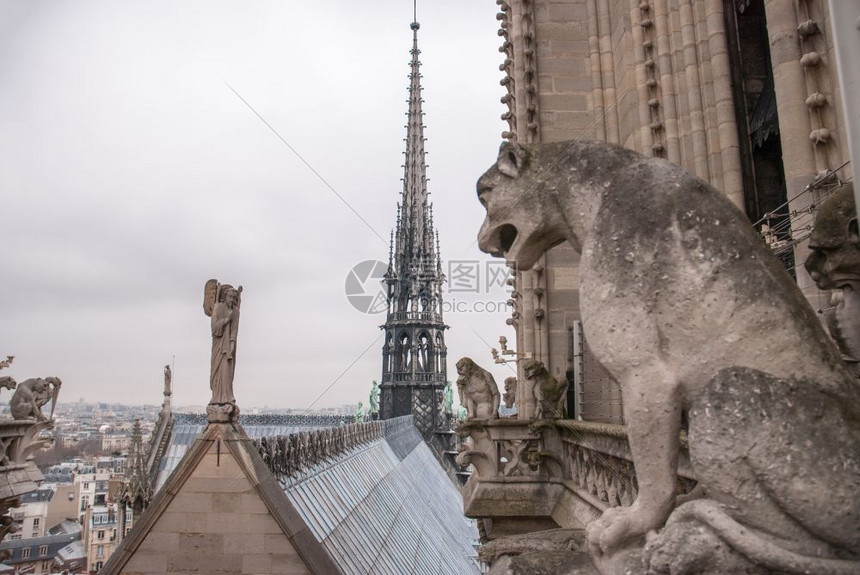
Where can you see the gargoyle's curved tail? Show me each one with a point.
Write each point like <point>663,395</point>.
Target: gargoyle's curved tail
<point>757,549</point>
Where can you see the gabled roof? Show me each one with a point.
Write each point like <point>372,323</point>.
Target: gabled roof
<point>220,509</point>
<point>352,500</point>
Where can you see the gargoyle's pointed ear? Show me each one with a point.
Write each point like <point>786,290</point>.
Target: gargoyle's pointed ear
<point>510,160</point>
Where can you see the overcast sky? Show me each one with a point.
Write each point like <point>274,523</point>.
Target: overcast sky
<point>130,173</point>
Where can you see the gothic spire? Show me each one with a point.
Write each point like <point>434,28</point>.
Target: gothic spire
<point>414,354</point>
<point>415,234</point>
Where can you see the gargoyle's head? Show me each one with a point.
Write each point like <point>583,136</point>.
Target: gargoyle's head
<point>533,368</point>
<point>465,366</point>
<point>835,242</point>
<point>522,220</point>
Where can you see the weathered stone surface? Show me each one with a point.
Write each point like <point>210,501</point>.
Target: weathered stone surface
<point>478,390</point>
<point>545,563</point>
<point>834,264</point>
<point>549,393</point>
<point>510,395</point>
<point>552,540</point>
<point>31,394</point>
<point>676,289</point>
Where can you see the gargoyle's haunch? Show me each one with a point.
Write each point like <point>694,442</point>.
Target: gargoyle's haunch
<point>684,305</point>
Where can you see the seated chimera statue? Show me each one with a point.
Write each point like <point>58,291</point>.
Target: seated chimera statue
<point>550,394</point>
<point>30,395</point>
<point>479,393</point>
<point>688,310</point>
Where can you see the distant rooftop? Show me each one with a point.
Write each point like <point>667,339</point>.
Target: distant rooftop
<point>40,494</point>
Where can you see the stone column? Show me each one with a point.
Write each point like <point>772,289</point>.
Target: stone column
<point>694,91</point>
<point>725,107</point>
<point>607,70</point>
<point>790,86</point>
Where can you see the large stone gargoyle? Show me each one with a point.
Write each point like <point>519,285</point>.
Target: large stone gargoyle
<point>688,310</point>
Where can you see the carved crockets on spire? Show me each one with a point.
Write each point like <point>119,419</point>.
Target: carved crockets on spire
<point>413,366</point>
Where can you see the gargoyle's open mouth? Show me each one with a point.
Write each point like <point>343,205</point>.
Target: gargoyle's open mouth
<point>507,234</point>
<point>498,240</point>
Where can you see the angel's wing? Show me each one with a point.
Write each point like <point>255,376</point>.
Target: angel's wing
<point>210,296</point>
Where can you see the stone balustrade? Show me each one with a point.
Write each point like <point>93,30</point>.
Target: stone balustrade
<point>555,472</point>
<point>291,456</point>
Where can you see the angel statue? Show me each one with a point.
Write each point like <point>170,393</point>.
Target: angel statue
<point>221,302</point>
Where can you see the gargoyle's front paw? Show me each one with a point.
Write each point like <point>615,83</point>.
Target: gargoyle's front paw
<point>617,526</point>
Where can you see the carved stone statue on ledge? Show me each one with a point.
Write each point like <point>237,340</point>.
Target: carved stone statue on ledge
<point>374,400</point>
<point>479,393</point>
<point>691,313</point>
<point>31,394</point>
<point>448,394</point>
<point>168,379</point>
<point>7,382</point>
<point>549,393</point>
<point>510,395</point>
<point>834,264</point>
<point>221,302</point>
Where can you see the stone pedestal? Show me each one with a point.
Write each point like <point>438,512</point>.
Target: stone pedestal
<point>222,412</point>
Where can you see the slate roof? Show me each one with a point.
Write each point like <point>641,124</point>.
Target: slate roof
<point>53,542</point>
<point>66,526</point>
<point>38,495</point>
<point>387,508</point>
<point>74,551</point>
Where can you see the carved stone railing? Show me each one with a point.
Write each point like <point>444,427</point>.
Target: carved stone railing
<point>412,377</point>
<point>565,471</point>
<point>427,316</point>
<point>291,456</point>
<point>285,419</point>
